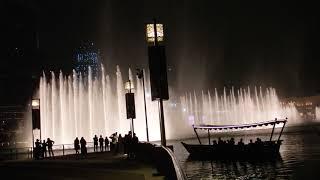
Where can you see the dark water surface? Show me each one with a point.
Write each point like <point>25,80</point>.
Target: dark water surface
<point>300,159</point>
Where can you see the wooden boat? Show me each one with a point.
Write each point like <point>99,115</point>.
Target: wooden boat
<point>261,149</point>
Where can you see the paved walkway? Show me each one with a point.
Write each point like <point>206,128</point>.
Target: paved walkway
<point>95,166</point>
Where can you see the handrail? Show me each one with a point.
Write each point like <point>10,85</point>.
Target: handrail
<point>15,152</point>
<point>180,175</point>
<point>179,171</point>
<point>25,147</point>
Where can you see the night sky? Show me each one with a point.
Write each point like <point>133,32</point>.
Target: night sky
<point>209,43</point>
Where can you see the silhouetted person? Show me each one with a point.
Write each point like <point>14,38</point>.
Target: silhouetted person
<point>44,149</point>
<point>258,141</point>
<point>50,144</point>
<point>214,142</point>
<point>240,143</point>
<point>120,144</point>
<point>128,144</point>
<point>37,149</point>
<point>77,145</point>
<point>250,143</point>
<point>231,142</point>
<point>135,142</point>
<point>83,144</point>
<point>125,143</point>
<point>95,143</point>
<point>106,143</point>
<point>101,143</point>
<point>114,140</point>
<point>220,142</point>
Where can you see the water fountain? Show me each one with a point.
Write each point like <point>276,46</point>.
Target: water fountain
<point>85,105</point>
<point>318,114</point>
<point>237,107</point>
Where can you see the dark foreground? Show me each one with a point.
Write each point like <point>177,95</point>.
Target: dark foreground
<point>95,166</point>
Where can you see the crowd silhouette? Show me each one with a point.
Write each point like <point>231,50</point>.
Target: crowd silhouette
<point>40,149</point>
<point>117,144</point>
<point>229,145</point>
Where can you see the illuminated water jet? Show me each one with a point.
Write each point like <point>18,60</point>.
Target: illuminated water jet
<point>80,105</point>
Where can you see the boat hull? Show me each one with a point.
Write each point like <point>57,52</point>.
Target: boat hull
<point>266,151</point>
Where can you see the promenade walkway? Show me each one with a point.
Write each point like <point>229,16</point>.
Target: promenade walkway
<point>102,165</point>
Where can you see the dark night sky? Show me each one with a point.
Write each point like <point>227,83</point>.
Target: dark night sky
<point>209,43</point>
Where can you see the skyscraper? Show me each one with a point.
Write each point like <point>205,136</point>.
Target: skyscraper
<point>87,55</point>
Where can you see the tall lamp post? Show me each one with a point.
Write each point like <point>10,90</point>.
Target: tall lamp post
<point>140,74</point>
<point>158,69</point>
<point>35,103</point>
<point>130,104</point>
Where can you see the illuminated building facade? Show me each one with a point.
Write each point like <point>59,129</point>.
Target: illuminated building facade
<point>87,56</point>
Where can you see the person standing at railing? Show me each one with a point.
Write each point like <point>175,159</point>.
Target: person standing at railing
<point>37,149</point>
<point>76,145</point>
<point>106,143</point>
<point>44,149</point>
<point>135,142</point>
<point>101,143</point>
<point>120,144</point>
<point>114,141</point>
<point>95,143</point>
<point>50,144</point>
<point>83,143</point>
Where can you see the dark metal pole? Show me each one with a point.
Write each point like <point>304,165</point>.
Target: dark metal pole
<point>209,136</point>
<point>162,126</point>
<point>32,143</point>
<point>155,32</point>
<point>145,105</point>
<point>32,129</point>
<point>194,129</point>
<point>284,123</point>
<point>132,126</point>
<point>40,120</point>
<point>274,125</point>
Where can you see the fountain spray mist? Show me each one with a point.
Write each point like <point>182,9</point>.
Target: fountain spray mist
<point>84,105</point>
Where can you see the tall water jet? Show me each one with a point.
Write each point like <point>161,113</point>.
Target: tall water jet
<point>82,105</point>
<point>318,113</point>
<point>246,107</point>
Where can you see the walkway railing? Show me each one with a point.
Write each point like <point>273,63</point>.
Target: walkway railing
<point>12,153</point>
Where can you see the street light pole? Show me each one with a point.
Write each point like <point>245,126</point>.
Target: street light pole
<point>158,70</point>
<point>36,122</point>
<point>131,117</point>
<point>141,76</point>
<point>130,104</point>
<point>162,126</point>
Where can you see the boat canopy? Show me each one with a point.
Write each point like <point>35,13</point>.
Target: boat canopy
<point>241,126</point>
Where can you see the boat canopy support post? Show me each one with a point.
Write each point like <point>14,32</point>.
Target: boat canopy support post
<point>197,135</point>
<point>284,123</point>
<point>274,125</point>
<point>209,136</point>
